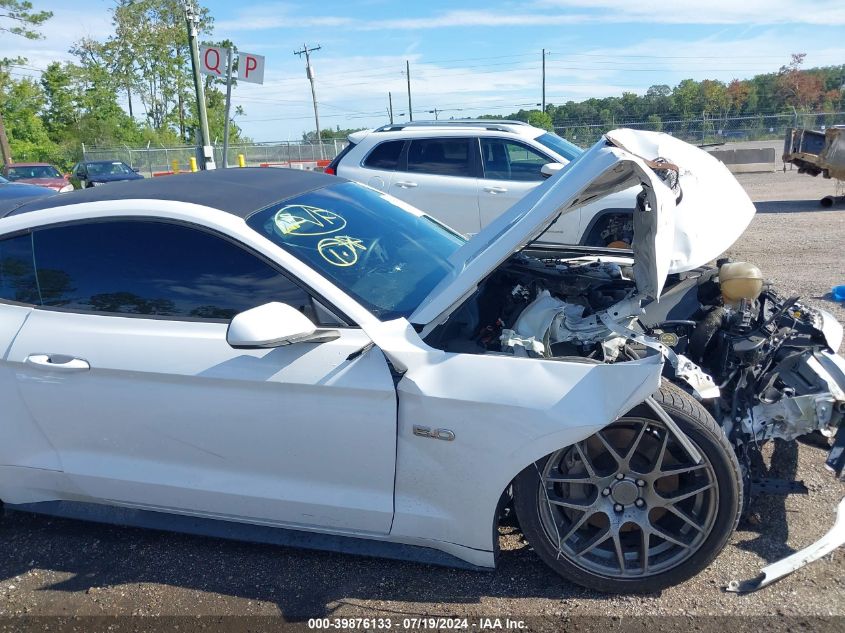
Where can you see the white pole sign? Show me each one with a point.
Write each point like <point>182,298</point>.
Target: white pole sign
<point>251,68</point>
<point>213,61</point>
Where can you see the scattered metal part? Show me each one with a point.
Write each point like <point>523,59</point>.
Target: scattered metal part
<point>835,537</point>
<point>772,486</point>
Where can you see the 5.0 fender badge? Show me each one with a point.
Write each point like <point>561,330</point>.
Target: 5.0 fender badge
<point>436,434</point>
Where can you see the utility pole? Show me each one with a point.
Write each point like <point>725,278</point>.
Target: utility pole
<point>435,112</point>
<point>390,106</point>
<point>230,54</point>
<point>192,19</point>
<point>129,98</point>
<point>310,72</point>
<point>408,74</point>
<point>544,80</point>
<point>5,150</point>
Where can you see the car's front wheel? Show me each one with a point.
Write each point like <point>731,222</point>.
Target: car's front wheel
<point>628,510</point>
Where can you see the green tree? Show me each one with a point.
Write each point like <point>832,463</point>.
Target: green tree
<point>687,98</point>
<point>21,102</point>
<point>148,56</point>
<point>17,17</point>
<point>81,107</point>
<point>330,135</point>
<point>61,115</point>
<point>540,119</point>
<point>655,123</point>
<point>658,100</point>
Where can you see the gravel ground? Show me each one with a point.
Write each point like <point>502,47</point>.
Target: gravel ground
<point>61,567</point>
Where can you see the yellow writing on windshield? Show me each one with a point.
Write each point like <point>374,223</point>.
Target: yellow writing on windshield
<point>340,250</point>
<point>301,219</point>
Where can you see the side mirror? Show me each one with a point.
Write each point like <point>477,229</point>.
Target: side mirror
<point>269,325</point>
<point>136,169</point>
<point>550,169</point>
<point>80,174</point>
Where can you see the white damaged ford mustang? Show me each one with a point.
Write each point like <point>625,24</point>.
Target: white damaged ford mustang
<point>293,358</point>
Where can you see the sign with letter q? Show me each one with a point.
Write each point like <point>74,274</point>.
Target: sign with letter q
<point>213,61</point>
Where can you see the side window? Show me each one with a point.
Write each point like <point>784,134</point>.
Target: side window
<point>17,272</point>
<point>154,268</point>
<point>442,156</point>
<point>385,155</point>
<point>508,160</point>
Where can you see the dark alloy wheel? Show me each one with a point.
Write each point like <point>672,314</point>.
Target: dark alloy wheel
<point>628,510</point>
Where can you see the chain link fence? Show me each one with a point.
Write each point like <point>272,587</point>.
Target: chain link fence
<point>152,160</point>
<point>304,155</point>
<point>707,130</point>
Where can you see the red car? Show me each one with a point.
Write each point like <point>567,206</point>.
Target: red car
<point>43,174</point>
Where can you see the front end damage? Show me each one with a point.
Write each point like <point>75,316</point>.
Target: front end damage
<point>766,367</point>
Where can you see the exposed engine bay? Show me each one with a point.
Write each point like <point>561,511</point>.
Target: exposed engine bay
<point>765,366</point>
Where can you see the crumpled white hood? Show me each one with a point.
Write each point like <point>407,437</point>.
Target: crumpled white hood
<point>687,220</point>
<point>714,209</point>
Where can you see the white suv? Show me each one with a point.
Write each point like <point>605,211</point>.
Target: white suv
<point>465,173</point>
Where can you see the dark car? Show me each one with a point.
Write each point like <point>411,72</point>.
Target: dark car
<point>92,173</point>
<point>22,192</point>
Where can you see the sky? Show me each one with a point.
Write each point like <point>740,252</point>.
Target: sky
<point>473,57</point>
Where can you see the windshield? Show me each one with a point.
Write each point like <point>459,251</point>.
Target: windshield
<point>33,171</point>
<point>559,145</point>
<point>99,169</point>
<point>387,256</point>
<point>3,181</point>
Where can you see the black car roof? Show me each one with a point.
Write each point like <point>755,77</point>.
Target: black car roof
<point>239,191</point>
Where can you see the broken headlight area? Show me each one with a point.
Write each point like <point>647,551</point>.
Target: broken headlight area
<point>774,358</point>
<point>764,365</point>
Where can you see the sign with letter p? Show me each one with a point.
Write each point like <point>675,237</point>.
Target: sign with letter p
<point>251,68</point>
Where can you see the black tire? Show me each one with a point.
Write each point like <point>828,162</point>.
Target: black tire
<point>698,426</point>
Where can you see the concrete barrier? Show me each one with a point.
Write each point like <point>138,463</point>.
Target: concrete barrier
<point>748,160</point>
<point>306,165</point>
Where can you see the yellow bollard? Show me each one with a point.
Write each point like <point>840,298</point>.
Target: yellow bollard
<point>175,166</point>
<point>193,162</point>
<point>241,160</point>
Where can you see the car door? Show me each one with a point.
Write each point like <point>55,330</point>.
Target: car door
<point>510,169</point>
<point>126,369</point>
<point>438,176</point>
<point>27,460</point>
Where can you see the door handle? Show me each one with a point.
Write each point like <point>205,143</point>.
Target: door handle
<point>57,362</point>
<point>495,190</point>
<point>406,184</point>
